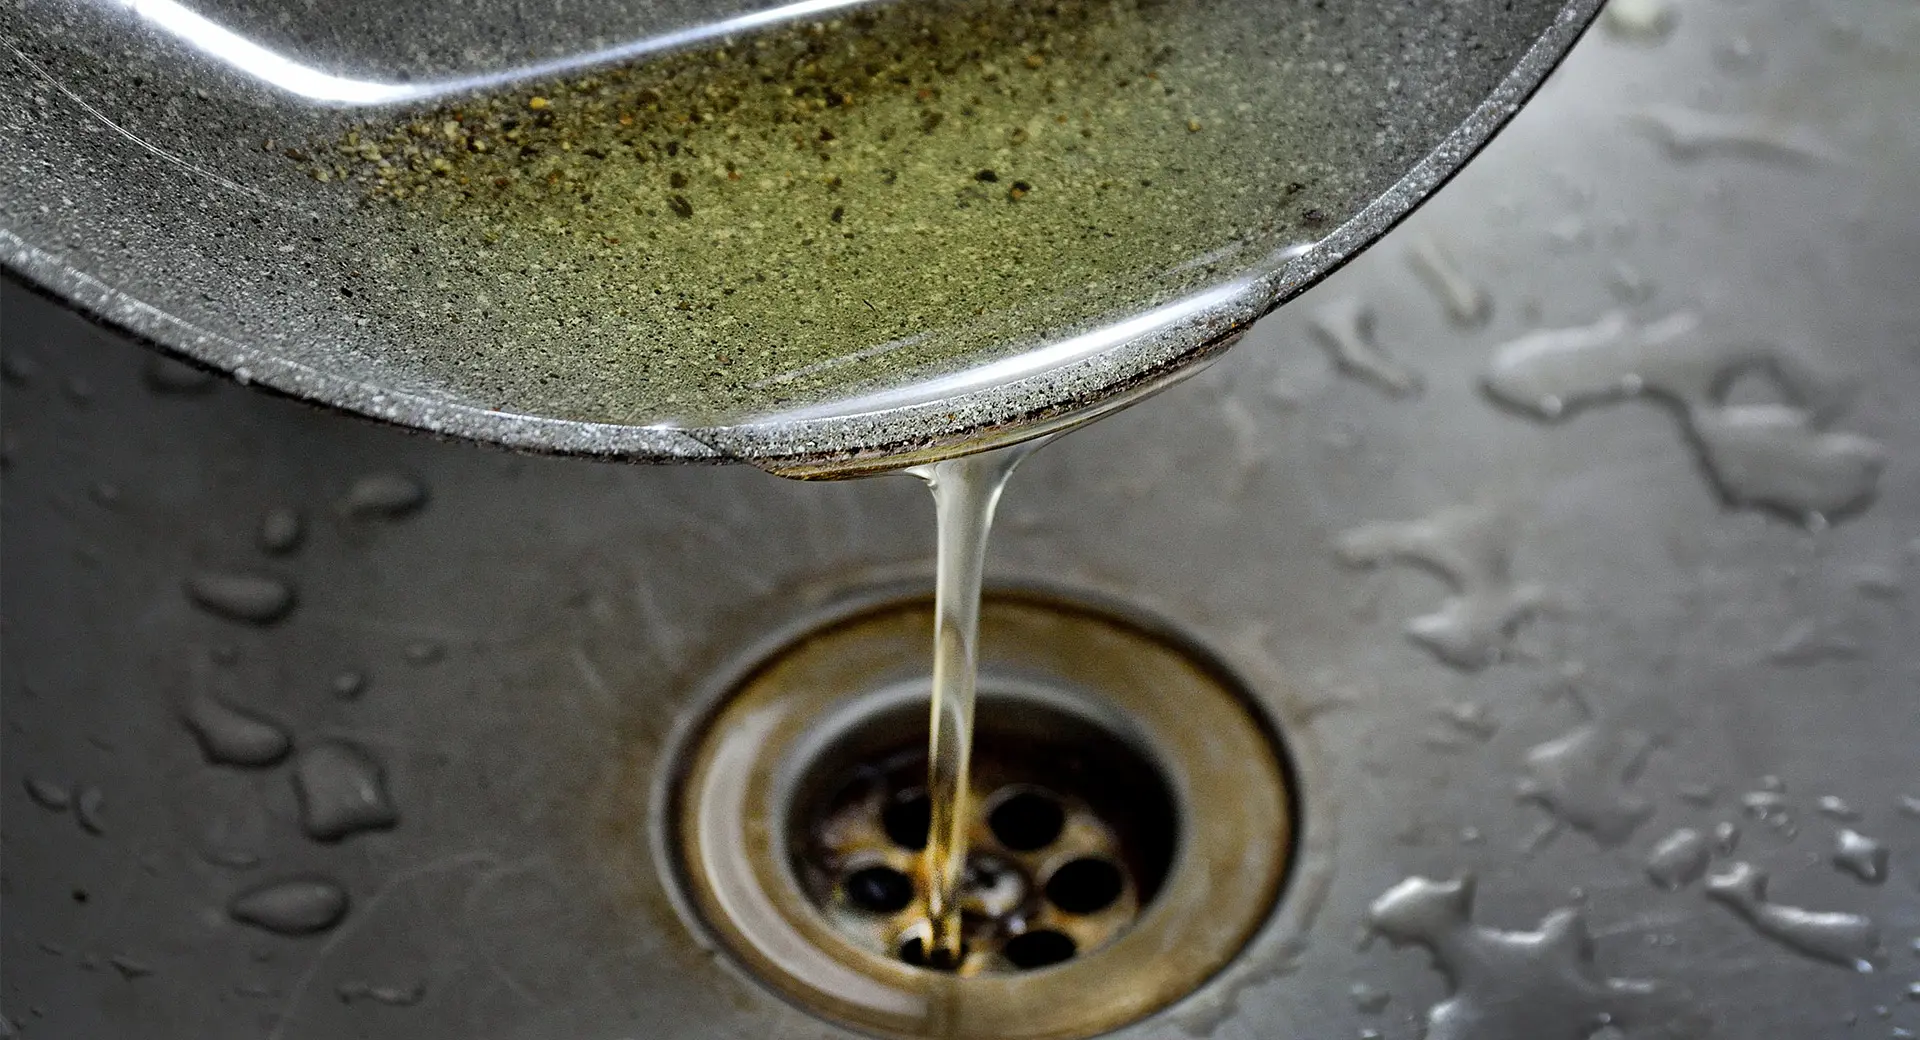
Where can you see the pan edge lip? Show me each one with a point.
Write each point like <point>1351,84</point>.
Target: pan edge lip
<point>996,414</point>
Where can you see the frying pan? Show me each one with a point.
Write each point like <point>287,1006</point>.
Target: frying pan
<point>207,176</point>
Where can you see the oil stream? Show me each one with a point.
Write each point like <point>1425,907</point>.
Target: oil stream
<point>965,492</point>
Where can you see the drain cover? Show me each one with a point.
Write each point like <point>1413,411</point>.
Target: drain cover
<point>802,808</point>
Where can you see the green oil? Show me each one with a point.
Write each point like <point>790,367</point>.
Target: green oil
<point>832,207</point>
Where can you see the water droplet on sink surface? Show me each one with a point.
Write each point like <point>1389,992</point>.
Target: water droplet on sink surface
<point>1469,548</point>
<point>1846,939</point>
<point>48,795</point>
<point>392,996</point>
<point>1834,807</point>
<point>1678,859</point>
<point>293,906</point>
<point>1810,642</point>
<point>349,684</point>
<point>1688,134</point>
<point>1467,302</point>
<point>1860,856</point>
<point>1584,778</point>
<point>238,596</point>
<point>1775,456</point>
<point>18,368</point>
<point>1510,985</point>
<point>89,809</point>
<point>232,736</point>
<point>1726,838</point>
<point>166,375</point>
<point>282,529</point>
<point>1639,21</point>
<point>129,968</point>
<point>1344,328</point>
<point>383,496</point>
<point>341,790</point>
<point>422,652</point>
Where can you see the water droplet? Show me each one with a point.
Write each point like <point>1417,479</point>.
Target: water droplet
<point>1345,329</point>
<point>236,596</point>
<point>1467,302</point>
<point>1688,134</point>
<point>1522,985</point>
<point>1639,21</point>
<point>166,375</point>
<point>1774,456</point>
<point>350,684</point>
<point>341,790</point>
<point>294,906</point>
<point>88,809</point>
<point>1765,805</point>
<point>79,390</point>
<point>1584,778</point>
<point>282,529</point>
<point>1860,856</point>
<point>1678,859</point>
<point>1846,939</point>
<point>1367,999</point>
<point>129,968</point>
<point>392,996</point>
<point>231,858</point>
<point>383,496</point>
<point>1760,455</point>
<point>48,795</point>
<point>423,652</point>
<point>1470,718</point>
<point>1808,642</point>
<point>1726,838</point>
<point>1469,548</point>
<point>232,736</point>
<point>1738,54</point>
<point>1628,284</point>
<point>1834,807</point>
<point>1910,806</point>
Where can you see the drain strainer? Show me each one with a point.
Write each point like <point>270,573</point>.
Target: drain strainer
<point>1130,826</point>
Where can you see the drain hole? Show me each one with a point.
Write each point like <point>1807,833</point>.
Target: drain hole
<point>1038,949</point>
<point>913,950</point>
<point>1027,820</point>
<point>1085,886</point>
<point>907,819</point>
<point>878,890</point>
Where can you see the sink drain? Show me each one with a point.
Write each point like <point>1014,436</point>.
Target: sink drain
<point>1130,823</point>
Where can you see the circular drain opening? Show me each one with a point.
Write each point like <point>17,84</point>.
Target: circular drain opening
<point>799,813</point>
<point>1071,830</point>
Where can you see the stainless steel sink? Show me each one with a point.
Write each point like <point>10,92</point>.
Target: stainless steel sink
<point>1623,768</point>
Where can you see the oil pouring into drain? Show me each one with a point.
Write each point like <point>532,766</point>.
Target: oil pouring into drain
<point>966,491</point>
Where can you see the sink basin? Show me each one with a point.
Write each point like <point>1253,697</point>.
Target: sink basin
<point>1566,538</point>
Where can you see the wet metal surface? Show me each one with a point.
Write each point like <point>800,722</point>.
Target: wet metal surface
<point>513,652</point>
